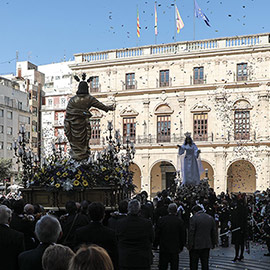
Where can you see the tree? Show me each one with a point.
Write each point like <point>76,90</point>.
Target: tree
<point>5,166</point>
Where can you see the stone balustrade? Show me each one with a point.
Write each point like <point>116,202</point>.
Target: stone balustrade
<point>175,48</point>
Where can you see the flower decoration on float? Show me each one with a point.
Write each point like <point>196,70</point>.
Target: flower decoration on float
<point>108,167</point>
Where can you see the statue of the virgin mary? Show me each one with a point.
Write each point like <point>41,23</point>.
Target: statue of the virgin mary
<point>191,165</point>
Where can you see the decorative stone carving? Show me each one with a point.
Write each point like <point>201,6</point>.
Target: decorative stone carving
<point>163,109</point>
<point>242,105</point>
<point>200,107</point>
<point>128,111</point>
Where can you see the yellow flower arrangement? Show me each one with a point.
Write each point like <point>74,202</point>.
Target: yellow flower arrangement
<point>58,173</point>
<point>83,178</point>
<point>79,172</point>
<point>106,177</point>
<point>104,169</point>
<point>85,183</point>
<point>117,169</point>
<point>78,176</point>
<point>65,174</point>
<point>76,183</point>
<point>57,185</point>
<point>52,179</point>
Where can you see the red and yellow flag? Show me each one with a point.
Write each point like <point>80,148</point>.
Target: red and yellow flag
<point>179,21</point>
<point>156,19</point>
<point>138,24</point>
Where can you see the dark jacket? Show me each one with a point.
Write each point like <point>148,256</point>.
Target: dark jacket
<point>21,224</point>
<point>11,245</point>
<point>202,232</point>
<point>114,219</point>
<point>135,236</point>
<point>96,233</point>
<point>32,259</point>
<point>170,234</point>
<point>69,224</point>
<point>239,220</point>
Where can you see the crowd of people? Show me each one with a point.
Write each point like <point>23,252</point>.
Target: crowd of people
<point>88,237</point>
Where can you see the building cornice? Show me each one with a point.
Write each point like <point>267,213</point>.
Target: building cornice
<point>176,89</point>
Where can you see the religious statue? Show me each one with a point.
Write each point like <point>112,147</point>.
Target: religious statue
<point>77,124</point>
<point>191,166</point>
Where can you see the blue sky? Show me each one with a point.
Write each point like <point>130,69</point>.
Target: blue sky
<point>47,31</point>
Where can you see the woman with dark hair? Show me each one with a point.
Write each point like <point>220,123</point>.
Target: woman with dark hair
<point>91,258</point>
<point>191,166</point>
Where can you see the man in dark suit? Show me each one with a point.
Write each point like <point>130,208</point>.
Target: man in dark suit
<point>170,236</point>
<point>96,233</point>
<point>21,223</point>
<point>71,222</point>
<point>135,236</point>
<point>11,241</point>
<point>116,216</point>
<point>48,231</point>
<point>202,237</point>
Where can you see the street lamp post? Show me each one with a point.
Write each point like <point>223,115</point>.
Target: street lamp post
<point>25,156</point>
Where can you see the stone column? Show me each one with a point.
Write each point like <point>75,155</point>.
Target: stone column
<point>146,174</point>
<point>220,181</point>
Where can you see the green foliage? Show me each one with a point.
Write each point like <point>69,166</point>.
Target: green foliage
<point>5,168</point>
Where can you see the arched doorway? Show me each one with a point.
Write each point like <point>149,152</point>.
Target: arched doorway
<point>136,177</point>
<point>241,177</point>
<point>162,176</point>
<point>210,173</point>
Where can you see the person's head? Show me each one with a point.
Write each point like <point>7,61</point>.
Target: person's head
<point>84,207</point>
<point>96,211</point>
<point>18,207</point>
<point>48,229</point>
<point>71,207</point>
<point>29,209</point>
<point>195,209</point>
<point>5,214</point>
<point>164,193</point>
<point>134,207</point>
<point>83,87</point>
<point>144,194</point>
<point>91,258</point>
<point>57,257</point>
<point>172,208</point>
<point>188,140</point>
<point>123,207</point>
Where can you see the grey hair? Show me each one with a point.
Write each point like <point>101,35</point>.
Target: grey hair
<point>172,208</point>
<point>134,206</point>
<point>48,229</point>
<point>5,214</point>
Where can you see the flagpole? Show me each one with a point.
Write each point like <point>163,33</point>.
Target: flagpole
<point>174,20</point>
<point>194,20</point>
<point>155,22</point>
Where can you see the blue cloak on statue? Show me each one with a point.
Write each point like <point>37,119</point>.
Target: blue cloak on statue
<point>191,165</point>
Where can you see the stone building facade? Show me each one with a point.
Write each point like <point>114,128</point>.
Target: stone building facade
<point>14,113</point>
<point>217,89</point>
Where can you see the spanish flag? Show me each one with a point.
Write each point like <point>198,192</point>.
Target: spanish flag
<point>179,21</point>
<point>138,24</point>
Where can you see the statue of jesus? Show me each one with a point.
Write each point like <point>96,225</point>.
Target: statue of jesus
<point>77,124</point>
<point>191,166</point>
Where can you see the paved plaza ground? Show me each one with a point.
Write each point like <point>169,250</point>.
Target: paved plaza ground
<point>221,258</point>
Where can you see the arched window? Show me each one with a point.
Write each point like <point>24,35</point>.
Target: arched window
<point>242,110</point>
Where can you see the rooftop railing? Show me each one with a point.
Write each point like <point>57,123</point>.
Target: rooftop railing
<point>175,48</point>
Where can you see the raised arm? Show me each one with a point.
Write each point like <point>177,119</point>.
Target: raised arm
<point>181,150</point>
<point>97,104</point>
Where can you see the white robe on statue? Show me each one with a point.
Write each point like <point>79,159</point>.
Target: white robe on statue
<point>191,165</point>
